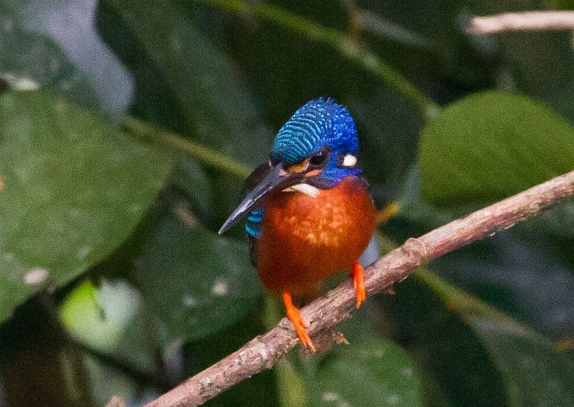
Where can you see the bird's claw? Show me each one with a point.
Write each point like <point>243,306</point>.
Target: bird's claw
<point>298,323</point>
<point>358,274</point>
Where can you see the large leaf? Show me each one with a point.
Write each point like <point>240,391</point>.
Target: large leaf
<point>55,46</point>
<point>522,280</point>
<point>197,282</point>
<point>489,146</point>
<point>370,372</point>
<point>30,61</point>
<point>534,372</point>
<point>73,190</point>
<point>455,368</point>
<point>217,107</point>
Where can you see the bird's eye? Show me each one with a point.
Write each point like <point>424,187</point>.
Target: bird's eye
<point>319,159</point>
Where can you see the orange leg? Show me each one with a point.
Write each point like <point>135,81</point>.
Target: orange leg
<point>358,274</point>
<point>298,322</point>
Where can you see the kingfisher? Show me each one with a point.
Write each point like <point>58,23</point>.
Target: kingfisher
<point>309,214</point>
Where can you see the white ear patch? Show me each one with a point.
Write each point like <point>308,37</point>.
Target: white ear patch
<point>350,160</point>
<point>304,188</point>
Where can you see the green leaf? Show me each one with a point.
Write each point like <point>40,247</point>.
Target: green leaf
<point>371,371</point>
<point>98,317</point>
<point>73,190</point>
<point>489,146</point>
<point>107,381</point>
<point>39,48</point>
<point>216,106</point>
<point>416,209</point>
<point>454,367</point>
<point>197,282</point>
<point>524,280</point>
<point>534,372</point>
<point>259,390</point>
<point>30,61</point>
<point>191,179</point>
<point>110,319</point>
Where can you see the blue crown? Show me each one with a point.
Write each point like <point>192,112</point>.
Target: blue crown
<point>318,123</point>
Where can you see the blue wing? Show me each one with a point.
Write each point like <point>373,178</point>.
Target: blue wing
<point>255,217</point>
<point>253,225</point>
<point>253,228</point>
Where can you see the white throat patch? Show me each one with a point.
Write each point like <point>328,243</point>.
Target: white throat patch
<point>304,188</point>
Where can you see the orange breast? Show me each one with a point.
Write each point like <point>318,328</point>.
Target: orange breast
<point>306,239</point>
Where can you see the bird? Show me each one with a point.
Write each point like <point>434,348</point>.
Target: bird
<point>309,212</point>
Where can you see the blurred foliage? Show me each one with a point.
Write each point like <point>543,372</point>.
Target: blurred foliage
<point>127,128</point>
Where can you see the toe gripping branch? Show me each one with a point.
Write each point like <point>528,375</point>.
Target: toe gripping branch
<point>298,322</point>
<point>358,274</point>
<point>300,325</point>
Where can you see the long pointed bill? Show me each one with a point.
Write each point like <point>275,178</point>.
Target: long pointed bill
<point>277,178</point>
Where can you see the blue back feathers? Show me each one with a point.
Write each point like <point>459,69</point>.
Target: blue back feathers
<point>317,123</point>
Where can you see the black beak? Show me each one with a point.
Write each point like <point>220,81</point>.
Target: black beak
<point>264,180</point>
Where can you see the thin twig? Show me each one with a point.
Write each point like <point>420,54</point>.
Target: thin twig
<point>328,311</point>
<point>524,21</point>
<point>147,131</point>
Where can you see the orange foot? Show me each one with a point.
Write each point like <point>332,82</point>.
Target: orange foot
<point>358,274</point>
<point>298,322</point>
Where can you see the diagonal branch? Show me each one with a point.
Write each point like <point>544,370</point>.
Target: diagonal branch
<point>326,312</point>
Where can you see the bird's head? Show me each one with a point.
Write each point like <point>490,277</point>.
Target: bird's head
<point>314,150</point>
<point>320,142</point>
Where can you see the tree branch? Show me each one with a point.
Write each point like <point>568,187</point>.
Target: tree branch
<point>524,21</point>
<point>326,312</point>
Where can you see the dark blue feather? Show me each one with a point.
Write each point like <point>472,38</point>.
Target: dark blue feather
<point>253,225</point>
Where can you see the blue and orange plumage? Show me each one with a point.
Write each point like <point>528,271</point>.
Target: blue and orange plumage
<point>309,212</point>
